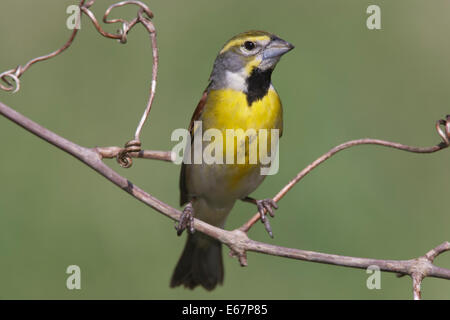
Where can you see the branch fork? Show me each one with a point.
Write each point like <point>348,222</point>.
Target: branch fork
<point>423,267</point>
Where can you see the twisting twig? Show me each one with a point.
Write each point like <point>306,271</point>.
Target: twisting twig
<point>444,133</point>
<point>144,17</point>
<point>433,253</point>
<point>122,33</point>
<point>132,146</point>
<point>17,72</point>
<point>417,281</point>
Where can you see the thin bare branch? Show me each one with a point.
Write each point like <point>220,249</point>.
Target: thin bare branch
<point>112,152</point>
<point>91,157</point>
<point>17,72</point>
<point>417,282</point>
<point>442,127</point>
<point>236,240</point>
<point>152,31</point>
<point>433,253</point>
<point>144,15</point>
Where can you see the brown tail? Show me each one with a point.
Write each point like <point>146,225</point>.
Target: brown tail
<point>199,264</point>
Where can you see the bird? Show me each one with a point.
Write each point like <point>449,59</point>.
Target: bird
<point>240,95</point>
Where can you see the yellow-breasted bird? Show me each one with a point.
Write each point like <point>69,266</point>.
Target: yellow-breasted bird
<point>240,95</point>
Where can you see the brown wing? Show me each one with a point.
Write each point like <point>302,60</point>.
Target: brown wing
<point>198,111</point>
<point>197,114</point>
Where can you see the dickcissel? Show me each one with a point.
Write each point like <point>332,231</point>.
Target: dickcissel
<point>240,95</point>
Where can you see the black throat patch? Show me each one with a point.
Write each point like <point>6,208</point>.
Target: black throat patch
<point>258,84</point>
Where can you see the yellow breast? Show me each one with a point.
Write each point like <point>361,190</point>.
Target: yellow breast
<point>229,109</point>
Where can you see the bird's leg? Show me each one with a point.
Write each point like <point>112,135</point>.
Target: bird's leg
<point>264,206</point>
<point>186,220</point>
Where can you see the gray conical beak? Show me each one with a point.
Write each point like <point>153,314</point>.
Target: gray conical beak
<point>276,48</point>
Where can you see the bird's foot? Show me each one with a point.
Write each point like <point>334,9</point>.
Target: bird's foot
<point>266,206</point>
<point>186,220</point>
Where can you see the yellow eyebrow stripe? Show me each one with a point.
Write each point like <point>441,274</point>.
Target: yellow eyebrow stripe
<point>240,41</point>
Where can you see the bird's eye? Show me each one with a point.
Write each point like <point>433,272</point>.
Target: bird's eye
<point>249,45</point>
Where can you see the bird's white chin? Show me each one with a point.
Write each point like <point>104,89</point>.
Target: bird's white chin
<point>268,63</point>
<point>236,80</point>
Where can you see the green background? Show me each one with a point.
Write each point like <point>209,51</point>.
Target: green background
<point>341,82</point>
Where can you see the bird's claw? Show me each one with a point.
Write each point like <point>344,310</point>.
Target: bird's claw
<point>264,206</point>
<point>186,220</point>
